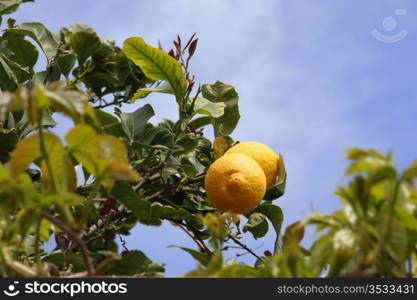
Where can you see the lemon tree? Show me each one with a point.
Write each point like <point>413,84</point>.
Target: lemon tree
<point>112,170</point>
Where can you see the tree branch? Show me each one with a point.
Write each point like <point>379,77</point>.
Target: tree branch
<point>245,247</point>
<point>76,238</point>
<point>201,245</point>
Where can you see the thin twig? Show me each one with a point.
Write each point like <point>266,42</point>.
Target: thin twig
<point>146,181</point>
<point>245,247</point>
<point>154,195</point>
<point>45,156</point>
<point>100,199</point>
<point>116,101</point>
<point>39,268</point>
<point>201,245</point>
<point>123,242</point>
<point>198,178</point>
<point>76,238</point>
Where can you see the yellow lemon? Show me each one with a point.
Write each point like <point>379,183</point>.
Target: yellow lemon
<point>263,155</point>
<point>235,183</point>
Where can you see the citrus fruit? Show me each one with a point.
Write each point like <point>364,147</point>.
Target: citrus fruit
<point>235,183</point>
<point>263,155</point>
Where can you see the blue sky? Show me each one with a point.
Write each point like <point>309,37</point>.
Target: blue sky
<point>313,81</point>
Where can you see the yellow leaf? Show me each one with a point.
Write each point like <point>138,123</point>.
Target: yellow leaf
<point>104,156</point>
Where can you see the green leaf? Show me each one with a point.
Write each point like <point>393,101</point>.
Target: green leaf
<point>39,33</point>
<point>273,213</point>
<point>191,166</point>
<point>149,213</point>
<point>8,141</point>
<point>221,92</point>
<point>24,53</point>
<point>28,150</point>
<point>140,207</point>
<point>134,123</point>
<point>107,123</point>
<point>276,217</point>
<point>278,189</point>
<point>411,171</point>
<point>104,156</point>
<point>237,271</point>
<point>202,258</point>
<point>163,87</point>
<point>20,72</point>
<point>406,218</point>
<point>257,225</point>
<point>188,143</point>
<point>206,107</point>
<point>25,218</point>
<point>171,213</point>
<point>72,260</point>
<point>200,122</point>
<point>66,63</point>
<point>8,80</point>
<point>135,262</point>
<point>84,44</point>
<point>156,64</point>
<point>158,136</point>
<point>10,6</point>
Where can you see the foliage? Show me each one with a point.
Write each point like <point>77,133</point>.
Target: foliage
<point>138,173</point>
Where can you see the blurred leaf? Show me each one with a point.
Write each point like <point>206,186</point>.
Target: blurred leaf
<point>410,172</point>
<point>202,258</point>
<point>8,141</point>
<point>72,260</point>
<point>28,150</point>
<point>156,64</point>
<point>39,34</point>
<point>134,123</point>
<point>294,233</point>
<point>104,156</point>
<point>71,103</point>
<point>221,92</point>
<point>25,218</point>
<point>237,271</point>
<point>62,166</point>
<point>135,262</point>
